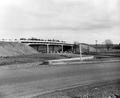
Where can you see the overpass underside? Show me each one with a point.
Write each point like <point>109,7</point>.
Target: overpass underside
<point>46,48</point>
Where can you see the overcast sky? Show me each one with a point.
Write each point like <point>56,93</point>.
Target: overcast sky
<point>70,20</point>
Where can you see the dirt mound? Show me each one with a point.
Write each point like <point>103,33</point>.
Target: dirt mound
<point>14,49</point>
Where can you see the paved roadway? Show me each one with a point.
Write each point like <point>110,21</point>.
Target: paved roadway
<point>24,82</point>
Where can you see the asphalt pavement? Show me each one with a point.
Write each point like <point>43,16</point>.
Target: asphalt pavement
<point>22,83</point>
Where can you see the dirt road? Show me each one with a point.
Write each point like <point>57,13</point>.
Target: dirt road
<point>27,82</point>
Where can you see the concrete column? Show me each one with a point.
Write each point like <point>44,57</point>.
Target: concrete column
<point>72,49</point>
<point>47,48</point>
<point>62,48</point>
<point>88,49</point>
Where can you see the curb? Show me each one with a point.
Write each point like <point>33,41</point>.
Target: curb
<point>78,62</point>
<point>66,61</point>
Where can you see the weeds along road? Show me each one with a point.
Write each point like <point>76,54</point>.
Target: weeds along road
<point>27,82</point>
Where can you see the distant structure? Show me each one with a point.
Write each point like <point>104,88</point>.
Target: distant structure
<point>53,46</point>
<point>48,46</point>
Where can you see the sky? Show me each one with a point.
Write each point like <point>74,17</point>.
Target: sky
<point>70,20</point>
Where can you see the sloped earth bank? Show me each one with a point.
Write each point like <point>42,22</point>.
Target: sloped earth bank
<point>107,89</point>
<point>14,49</point>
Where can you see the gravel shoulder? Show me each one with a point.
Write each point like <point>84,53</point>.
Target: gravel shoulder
<point>106,89</point>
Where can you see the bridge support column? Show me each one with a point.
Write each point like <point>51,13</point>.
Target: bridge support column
<point>72,49</point>
<point>48,48</point>
<point>62,48</point>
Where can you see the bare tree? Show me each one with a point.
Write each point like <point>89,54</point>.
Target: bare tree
<point>108,44</point>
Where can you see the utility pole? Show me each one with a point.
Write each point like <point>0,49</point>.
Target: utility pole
<point>80,52</point>
<point>96,44</point>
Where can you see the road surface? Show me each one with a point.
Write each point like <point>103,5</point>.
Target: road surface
<point>15,83</point>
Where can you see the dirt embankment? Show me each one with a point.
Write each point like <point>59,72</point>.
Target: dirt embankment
<point>14,53</point>
<point>14,49</point>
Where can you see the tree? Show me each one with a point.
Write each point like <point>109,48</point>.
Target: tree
<point>108,44</point>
